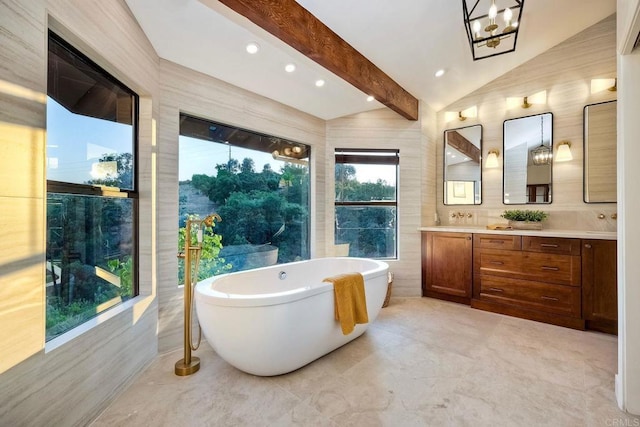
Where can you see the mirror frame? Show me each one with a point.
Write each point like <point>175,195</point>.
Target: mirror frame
<point>504,159</point>
<point>444,166</point>
<point>584,153</point>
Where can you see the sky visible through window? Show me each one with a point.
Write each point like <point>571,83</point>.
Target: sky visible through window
<point>198,156</point>
<point>75,142</point>
<point>371,173</point>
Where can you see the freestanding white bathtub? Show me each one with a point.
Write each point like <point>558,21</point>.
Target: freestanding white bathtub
<point>274,320</point>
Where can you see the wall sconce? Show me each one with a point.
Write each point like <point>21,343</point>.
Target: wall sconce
<point>564,152</point>
<point>462,115</point>
<point>599,85</point>
<point>492,159</point>
<point>538,98</point>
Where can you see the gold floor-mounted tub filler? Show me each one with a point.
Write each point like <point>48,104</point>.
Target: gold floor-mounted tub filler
<point>191,255</point>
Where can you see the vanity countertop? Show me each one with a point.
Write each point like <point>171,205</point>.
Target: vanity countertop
<point>575,234</point>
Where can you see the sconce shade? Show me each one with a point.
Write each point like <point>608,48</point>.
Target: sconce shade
<point>461,115</point>
<point>470,112</point>
<point>492,159</point>
<point>538,98</point>
<point>564,152</point>
<point>492,31</point>
<point>599,85</point>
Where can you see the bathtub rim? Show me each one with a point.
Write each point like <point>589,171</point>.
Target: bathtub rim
<point>204,292</point>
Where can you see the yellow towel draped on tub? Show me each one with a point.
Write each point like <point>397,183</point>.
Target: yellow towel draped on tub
<point>349,300</point>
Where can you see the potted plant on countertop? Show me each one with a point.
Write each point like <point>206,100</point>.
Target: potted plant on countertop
<point>525,219</point>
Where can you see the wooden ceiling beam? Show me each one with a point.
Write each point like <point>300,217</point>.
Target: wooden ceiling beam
<point>463,145</point>
<point>297,27</point>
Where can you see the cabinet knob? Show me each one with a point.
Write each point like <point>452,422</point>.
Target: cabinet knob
<point>587,245</point>
<point>468,237</point>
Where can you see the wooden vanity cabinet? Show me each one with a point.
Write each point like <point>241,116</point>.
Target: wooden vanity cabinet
<point>599,285</point>
<point>564,281</point>
<point>536,278</point>
<point>447,266</point>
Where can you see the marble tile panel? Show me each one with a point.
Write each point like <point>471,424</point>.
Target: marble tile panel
<point>426,322</point>
<point>304,415</point>
<point>22,278</point>
<point>487,399</point>
<point>520,373</point>
<point>22,152</point>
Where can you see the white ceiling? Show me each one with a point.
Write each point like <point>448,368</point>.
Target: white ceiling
<point>408,39</point>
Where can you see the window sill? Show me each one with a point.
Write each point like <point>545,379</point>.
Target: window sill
<point>79,330</point>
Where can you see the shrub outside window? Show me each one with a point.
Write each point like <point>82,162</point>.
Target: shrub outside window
<point>91,249</point>
<point>258,184</point>
<point>366,202</point>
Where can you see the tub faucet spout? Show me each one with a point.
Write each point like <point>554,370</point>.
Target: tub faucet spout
<point>208,221</point>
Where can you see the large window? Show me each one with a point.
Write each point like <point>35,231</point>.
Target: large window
<point>91,190</point>
<point>258,184</point>
<point>366,202</point>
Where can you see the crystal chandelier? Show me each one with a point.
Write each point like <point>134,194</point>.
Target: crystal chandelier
<point>486,36</point>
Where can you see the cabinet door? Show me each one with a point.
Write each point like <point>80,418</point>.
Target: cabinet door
<point>599,284</point>
<point>447,264</point>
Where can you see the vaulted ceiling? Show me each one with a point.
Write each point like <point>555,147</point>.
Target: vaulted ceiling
<point>409,40</point>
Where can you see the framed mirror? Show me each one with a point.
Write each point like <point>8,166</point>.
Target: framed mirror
<point>528,153</point>
<point>462,166</point>
<point>600,141</point>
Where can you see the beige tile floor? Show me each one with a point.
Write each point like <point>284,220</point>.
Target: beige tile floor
<point>423,362</point>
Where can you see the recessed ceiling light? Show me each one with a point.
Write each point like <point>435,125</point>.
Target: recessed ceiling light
<point>320,83</point>
<point>440,73</point>
<point>370,98</point>
<point>290,68</point>
<point>253,48</point>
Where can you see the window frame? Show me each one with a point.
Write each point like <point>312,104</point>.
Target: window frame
<point>103,191</point>
<point>367,156</point>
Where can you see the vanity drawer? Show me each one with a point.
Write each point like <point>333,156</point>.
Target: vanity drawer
<point>500,262</point>
<point>497,241</point>
<point>556,299</point>
<point>560,269</point>
<point>551,245</point>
